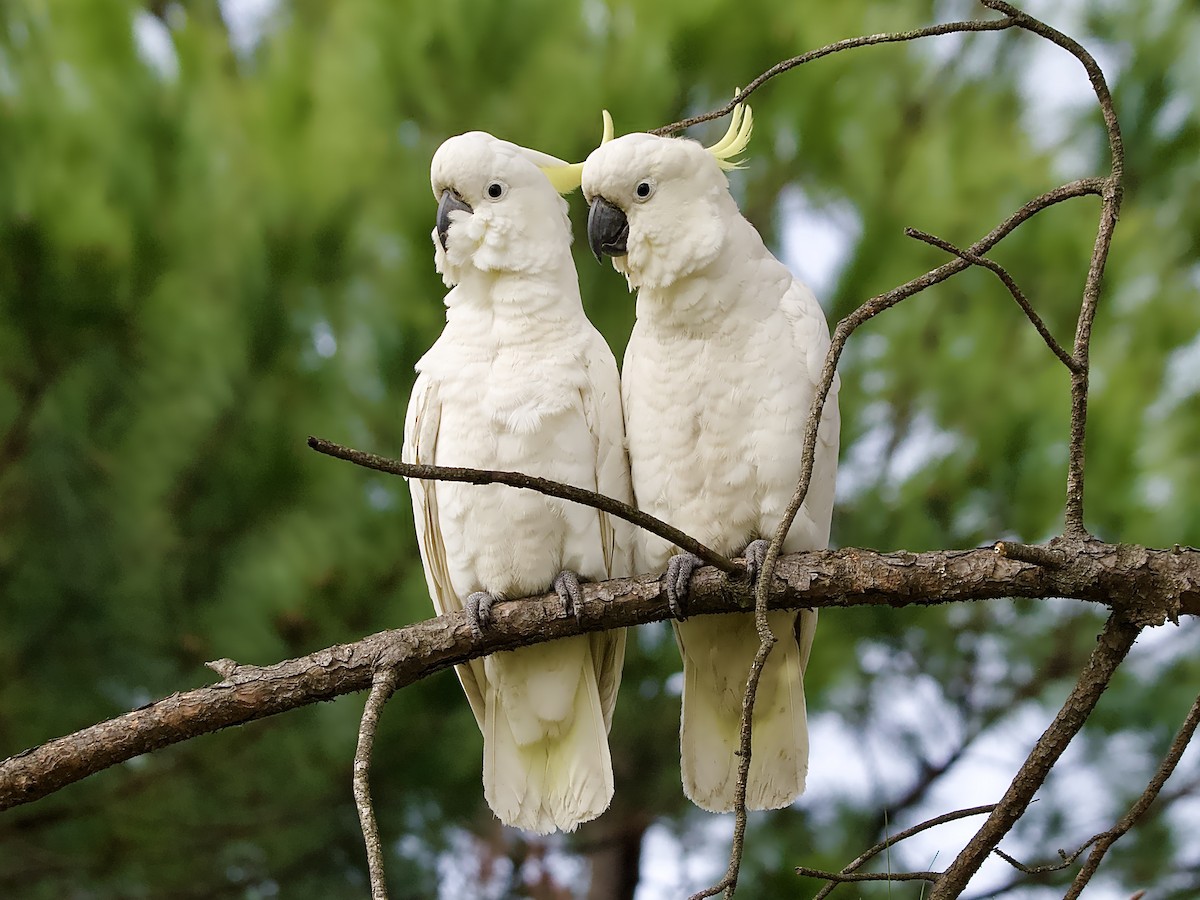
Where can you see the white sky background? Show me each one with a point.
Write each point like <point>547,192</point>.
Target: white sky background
<point>816,242</point>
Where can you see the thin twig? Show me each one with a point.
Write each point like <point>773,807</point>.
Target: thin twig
<point>1065,859</point>
<point>728,882</point>
<point>1030,553</point>
<point>1111,648</point>
<point>899,836</point>
<point>867,876</point>
<point>533,483</point>
<point>1110,837</point>
<point>847,44</point>
<point>383,683</point>
<point>1009,282</point>
<point>1109,212</point>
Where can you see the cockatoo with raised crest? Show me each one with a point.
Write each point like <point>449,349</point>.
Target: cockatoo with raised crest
<point>718,378</point>
<point>521,380</point>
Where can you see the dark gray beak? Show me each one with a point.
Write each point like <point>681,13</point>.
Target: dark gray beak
<point>608,229</point>
<point>449,203</point>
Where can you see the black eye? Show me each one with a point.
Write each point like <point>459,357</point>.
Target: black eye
<point>643,189</point>
<point>495,190</point>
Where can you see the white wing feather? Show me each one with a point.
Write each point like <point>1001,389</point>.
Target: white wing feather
<point>420,446</point>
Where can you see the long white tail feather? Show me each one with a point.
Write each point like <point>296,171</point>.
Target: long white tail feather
<point>714,682</point>
<point>563,777</point>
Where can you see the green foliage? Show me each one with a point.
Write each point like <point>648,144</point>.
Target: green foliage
<point>203,262</point>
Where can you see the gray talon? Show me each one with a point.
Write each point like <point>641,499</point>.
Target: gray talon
<point>756,555</point>
<point>678,580</point>
<point>479,611</point>
<point>566,585</point>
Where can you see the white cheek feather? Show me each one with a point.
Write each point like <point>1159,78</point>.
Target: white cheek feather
<point>440,262</point>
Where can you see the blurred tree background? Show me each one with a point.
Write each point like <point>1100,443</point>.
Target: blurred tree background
<point>214,241</point>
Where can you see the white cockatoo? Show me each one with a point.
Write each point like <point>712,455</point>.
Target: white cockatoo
<point>718,378</point>
<point>521,380</point>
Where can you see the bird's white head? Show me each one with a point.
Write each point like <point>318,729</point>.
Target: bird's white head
<point>660,206</point>
<point>499,208</point>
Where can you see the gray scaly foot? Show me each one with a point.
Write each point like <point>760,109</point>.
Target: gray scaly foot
<point>566,585</point>
<point>479,611</point>
<point>680,569</point>
<point>755,554</point>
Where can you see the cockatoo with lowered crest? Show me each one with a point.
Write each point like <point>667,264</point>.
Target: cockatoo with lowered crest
<point>718,378</point>
<point>521,380</point>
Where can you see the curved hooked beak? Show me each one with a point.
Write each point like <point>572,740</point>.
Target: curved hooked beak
<point>607,228</point>
<point>449,203</point>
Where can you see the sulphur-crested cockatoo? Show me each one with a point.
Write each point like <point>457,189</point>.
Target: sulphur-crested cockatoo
<point>718,378</point>
<point>521,380</point>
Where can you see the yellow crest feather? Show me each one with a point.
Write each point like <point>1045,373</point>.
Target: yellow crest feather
<point>564,179</point>
<point>567,178</point>
<point>736,138</point>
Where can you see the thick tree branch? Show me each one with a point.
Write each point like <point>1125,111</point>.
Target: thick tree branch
<point>1145,586</point>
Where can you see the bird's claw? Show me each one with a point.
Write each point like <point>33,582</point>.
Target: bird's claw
<point>679,576</point>
<point>566,585</point>
<point>479,611</point>
<point>755,554</point>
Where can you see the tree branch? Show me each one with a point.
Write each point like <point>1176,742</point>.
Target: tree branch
<point>1110,837</point>
<point>867,876</point>
<point>836,47</point>
<point>1009,282</point>
<point>1112,646</point>
<point>1145,586</point>
<point>894,839</point>
<point>1109,211</point>
<point>529,482</point>
<point>383,683</point>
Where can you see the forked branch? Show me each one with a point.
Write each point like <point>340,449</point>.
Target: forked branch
<point>1105,840</point>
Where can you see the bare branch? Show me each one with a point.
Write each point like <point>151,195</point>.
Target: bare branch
<point>1110,837</point>
<point>1112,646</point>
<point>867,876</point>
<point>1148,586</point>
<point>896,838</point>
<point>1109,211</point>
<point>728,882</point>
<point>836,47</point>
<point>1038,556</point>
<point>1094,74</point>
<point>383,683</point>
<point>1065,859</point>
<point>532,483</point>
<point>1009,282</point>
<point>726,885</point>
